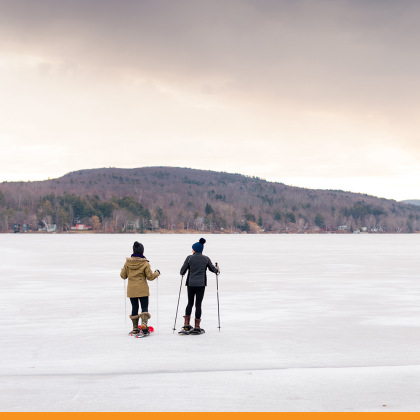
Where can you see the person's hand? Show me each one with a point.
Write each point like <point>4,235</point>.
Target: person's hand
<point>218,268</point>
<point>157,271</point>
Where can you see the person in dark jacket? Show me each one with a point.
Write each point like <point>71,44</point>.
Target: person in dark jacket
<point>196,265</point>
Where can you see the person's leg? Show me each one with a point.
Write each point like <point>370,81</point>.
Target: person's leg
<point>134,306</point>
<point>145,316</point>
<point>135,315</point>
<point>191,295</point>
<point>198,301</point>
<point>144,302</point>
<point>188,309</point>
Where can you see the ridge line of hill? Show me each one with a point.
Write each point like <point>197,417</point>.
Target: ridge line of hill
<point>176,199</point>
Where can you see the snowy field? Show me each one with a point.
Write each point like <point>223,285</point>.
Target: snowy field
<point>309,323</point>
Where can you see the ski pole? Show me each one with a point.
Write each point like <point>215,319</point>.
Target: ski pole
<point>217,284</point>
<point>157,302</point>
<point>125,307</point>
<point>177,306</point>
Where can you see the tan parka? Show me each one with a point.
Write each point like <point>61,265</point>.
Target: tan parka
<point>137,270</point>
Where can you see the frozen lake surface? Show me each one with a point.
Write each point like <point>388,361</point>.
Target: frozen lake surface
<point>309,323</point>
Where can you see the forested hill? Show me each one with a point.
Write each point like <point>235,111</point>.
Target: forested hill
<point>416,202</point>
<point>112,199</point>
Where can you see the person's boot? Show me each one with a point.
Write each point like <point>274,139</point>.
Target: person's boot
<point>197,329</point>
<point>145,316</point>
<point>135,320</point>
<point>187,326</point>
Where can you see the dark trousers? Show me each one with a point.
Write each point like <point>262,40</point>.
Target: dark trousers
<point>144,302</point>
<point>196,292</point>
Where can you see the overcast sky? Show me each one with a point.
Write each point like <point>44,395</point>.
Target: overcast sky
<point>319,94</point>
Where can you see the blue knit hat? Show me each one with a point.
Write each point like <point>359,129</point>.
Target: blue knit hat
<point>199,246</point>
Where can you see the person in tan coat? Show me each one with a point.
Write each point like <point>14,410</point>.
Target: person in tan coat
<point>137,270</point>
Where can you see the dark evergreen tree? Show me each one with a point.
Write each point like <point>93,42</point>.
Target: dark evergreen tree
<point>319,220</point>
<point>209,209</point>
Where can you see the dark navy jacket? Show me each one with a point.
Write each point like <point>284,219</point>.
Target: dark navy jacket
<point>197,265</point>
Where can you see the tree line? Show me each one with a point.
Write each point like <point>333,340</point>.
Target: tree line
<point>144,199</point>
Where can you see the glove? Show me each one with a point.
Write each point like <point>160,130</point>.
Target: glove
<point>218,269</point>
<point>157,271</point>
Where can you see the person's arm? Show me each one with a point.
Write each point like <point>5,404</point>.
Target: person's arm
<point>124,272</point>
<point>211,267</point>
<point>149,274</point>
<point>184,268</point>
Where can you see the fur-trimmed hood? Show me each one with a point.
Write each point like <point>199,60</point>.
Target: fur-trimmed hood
<point>136,262</point>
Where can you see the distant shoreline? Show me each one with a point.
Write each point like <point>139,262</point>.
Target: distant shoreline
<point>87,232</point>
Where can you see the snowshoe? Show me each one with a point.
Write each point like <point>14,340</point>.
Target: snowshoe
<point>134,332</point>
<point>186,330</point>
<point>145,333</point>
<point>197,331</point>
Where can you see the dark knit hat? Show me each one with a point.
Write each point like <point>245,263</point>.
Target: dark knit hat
<point>199,246</point>
<point>138,248</point>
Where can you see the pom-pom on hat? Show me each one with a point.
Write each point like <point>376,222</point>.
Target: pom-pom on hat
<point>199,246</point>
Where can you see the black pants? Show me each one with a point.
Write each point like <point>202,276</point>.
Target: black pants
<point>144,302</point>
<point>196,292</point>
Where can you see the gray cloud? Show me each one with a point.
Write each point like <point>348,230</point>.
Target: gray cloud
<point>272,64</point>
<point>332,54</point>
<point>242,39</point>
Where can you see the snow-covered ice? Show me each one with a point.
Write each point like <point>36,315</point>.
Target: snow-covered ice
<point>309,323</point>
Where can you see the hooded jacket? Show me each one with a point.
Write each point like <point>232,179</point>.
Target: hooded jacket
<point>138,272</point>
<point>197,265</point>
